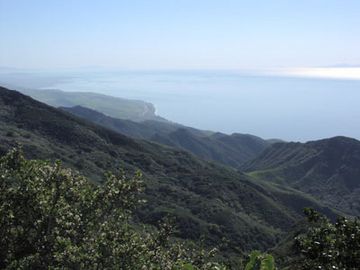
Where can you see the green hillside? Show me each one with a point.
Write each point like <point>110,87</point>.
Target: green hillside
<point>232,150</point>
<point>225,207</point>
<point>328,169</point>
<point>135,110</point>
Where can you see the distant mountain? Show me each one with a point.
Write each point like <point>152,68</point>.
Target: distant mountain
<point>206,199</point>
<point>135,110</point>
<point>328,169</point>
<point>140,130</point>
<point>231,150</point>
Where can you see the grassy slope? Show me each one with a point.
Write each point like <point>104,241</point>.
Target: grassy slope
<point>232,150</point>
<point>135,110</point>
<point>327,169</point>
<point>206,199</point>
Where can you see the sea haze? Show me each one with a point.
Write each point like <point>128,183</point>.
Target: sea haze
<point>290,108</point>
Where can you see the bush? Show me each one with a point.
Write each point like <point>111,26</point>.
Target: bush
<point>329,246</point>
<point>259,261</point>
<point>54,218</point>
<point>10,134</point>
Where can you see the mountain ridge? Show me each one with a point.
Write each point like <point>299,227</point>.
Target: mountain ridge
<point>327,169</point>
<point>206,199</point>
<point>232,150</point>
<point>136,110</point>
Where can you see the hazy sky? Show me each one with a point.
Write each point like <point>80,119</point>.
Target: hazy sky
<point>190,34</point>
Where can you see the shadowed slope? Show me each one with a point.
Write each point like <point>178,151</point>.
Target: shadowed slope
<point>206,199</point>
<point>231,150</point>
<point>328,169</point>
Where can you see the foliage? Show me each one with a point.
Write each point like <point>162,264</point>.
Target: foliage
<point>232,150</point>
<point>54,218</point>
<point>259,261</point>
<point>226,208</point>
<point>328,170</point>
<point>330,246</point>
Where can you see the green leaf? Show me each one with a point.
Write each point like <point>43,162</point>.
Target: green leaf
<point>254,261</point>
<point>188,266</point>
<point>267,263</point>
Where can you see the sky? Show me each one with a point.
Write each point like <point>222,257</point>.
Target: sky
<point>179,34</point>
<point>309,47</point>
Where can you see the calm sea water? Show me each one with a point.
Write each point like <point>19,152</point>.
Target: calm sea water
<point>271,107</point>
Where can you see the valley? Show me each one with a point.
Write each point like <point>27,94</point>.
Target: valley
<point>183,174</point>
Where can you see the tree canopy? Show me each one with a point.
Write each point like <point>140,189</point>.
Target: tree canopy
<point>328,245</point>
<point>54,218</point>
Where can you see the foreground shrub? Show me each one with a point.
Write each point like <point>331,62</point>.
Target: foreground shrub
<point>329,246</point>
<point>260,261</point>
<point>54,218</point>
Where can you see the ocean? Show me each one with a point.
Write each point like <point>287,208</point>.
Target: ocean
<point>289,108</point>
